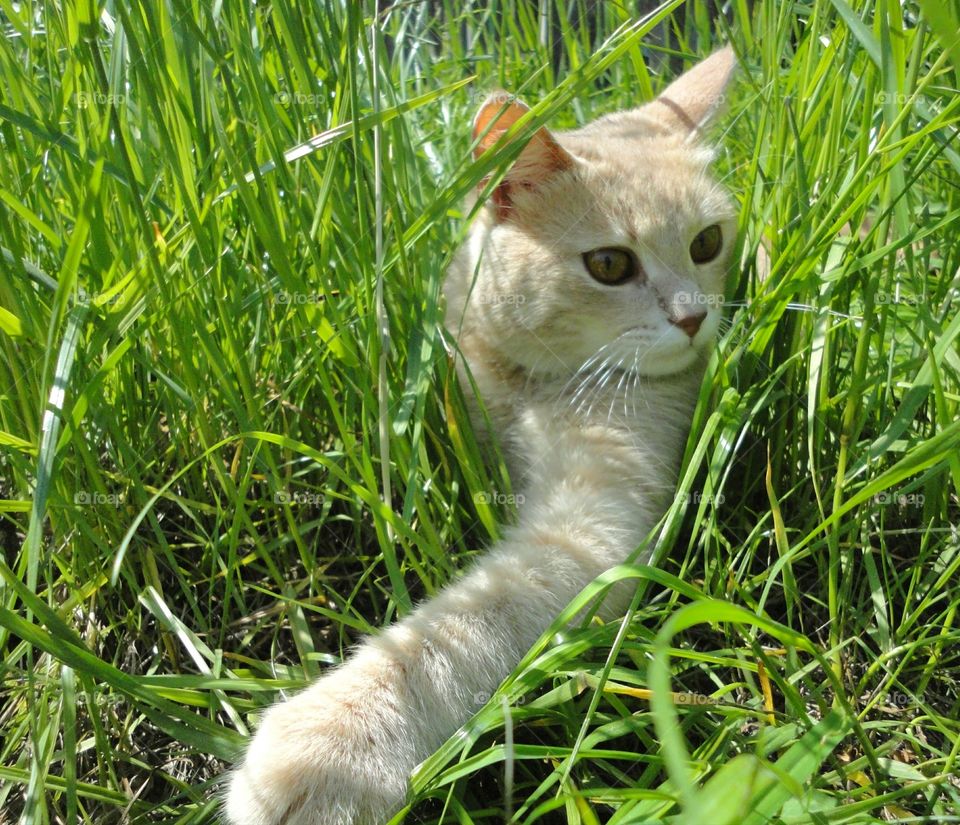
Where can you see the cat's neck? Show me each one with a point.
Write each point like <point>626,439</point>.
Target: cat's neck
<point>535,415</point>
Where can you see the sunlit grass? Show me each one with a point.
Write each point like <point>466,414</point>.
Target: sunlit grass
<point>198,404</point>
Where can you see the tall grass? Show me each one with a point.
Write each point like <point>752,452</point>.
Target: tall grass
<point>231,442</point>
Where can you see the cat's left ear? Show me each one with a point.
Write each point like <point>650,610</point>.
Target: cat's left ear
<point>538,161</point>
<point>695,99</point>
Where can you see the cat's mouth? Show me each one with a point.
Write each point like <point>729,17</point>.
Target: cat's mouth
<point>664,359</point>
<point>657,366</point>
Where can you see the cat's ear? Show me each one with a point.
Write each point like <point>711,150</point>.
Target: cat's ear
<point>537,162</point>
<point>695,99</point>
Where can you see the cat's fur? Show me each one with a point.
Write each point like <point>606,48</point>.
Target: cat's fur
<point>590,389</point>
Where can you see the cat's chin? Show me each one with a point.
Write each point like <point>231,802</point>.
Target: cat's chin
<point>662,364</point>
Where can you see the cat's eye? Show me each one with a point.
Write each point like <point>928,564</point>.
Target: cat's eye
<point>610,266</point>
<point>706,246</point>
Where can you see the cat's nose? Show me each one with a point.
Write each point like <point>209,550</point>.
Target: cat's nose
<point>690,324</point>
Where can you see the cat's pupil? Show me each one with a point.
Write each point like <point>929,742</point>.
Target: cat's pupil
<point>706,246</point>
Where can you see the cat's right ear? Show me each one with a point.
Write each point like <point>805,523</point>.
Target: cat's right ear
<point>538,161</point>
<point>695,99</point>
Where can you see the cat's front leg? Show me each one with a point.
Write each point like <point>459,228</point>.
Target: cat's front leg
<point>338,753</point>
<point>341,752</point>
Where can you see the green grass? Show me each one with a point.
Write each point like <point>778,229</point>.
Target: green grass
<point>231,442</point>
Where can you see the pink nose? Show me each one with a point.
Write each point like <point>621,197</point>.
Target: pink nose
<point>690,324</point>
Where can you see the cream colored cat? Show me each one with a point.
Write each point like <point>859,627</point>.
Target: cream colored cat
<point>585,301</point>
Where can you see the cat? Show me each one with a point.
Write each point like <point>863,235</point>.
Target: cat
<point>585,301</point>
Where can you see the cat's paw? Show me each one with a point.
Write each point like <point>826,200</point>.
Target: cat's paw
<point>338,753</point>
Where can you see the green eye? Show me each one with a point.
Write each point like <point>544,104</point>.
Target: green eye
<point>610,266</point>
<point>706,246</point>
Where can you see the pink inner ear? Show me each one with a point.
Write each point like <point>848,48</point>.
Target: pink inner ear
<point>539,159</point>
<point>501,200</point>
<point>495,117</point>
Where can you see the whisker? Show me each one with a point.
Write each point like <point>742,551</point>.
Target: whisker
<point>601,386</point>
<point>593,375</point>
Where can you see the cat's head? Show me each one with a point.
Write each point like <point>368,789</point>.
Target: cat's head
<point>610,242</point>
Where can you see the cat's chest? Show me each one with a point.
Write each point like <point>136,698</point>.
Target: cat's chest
<point>546,448</point>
